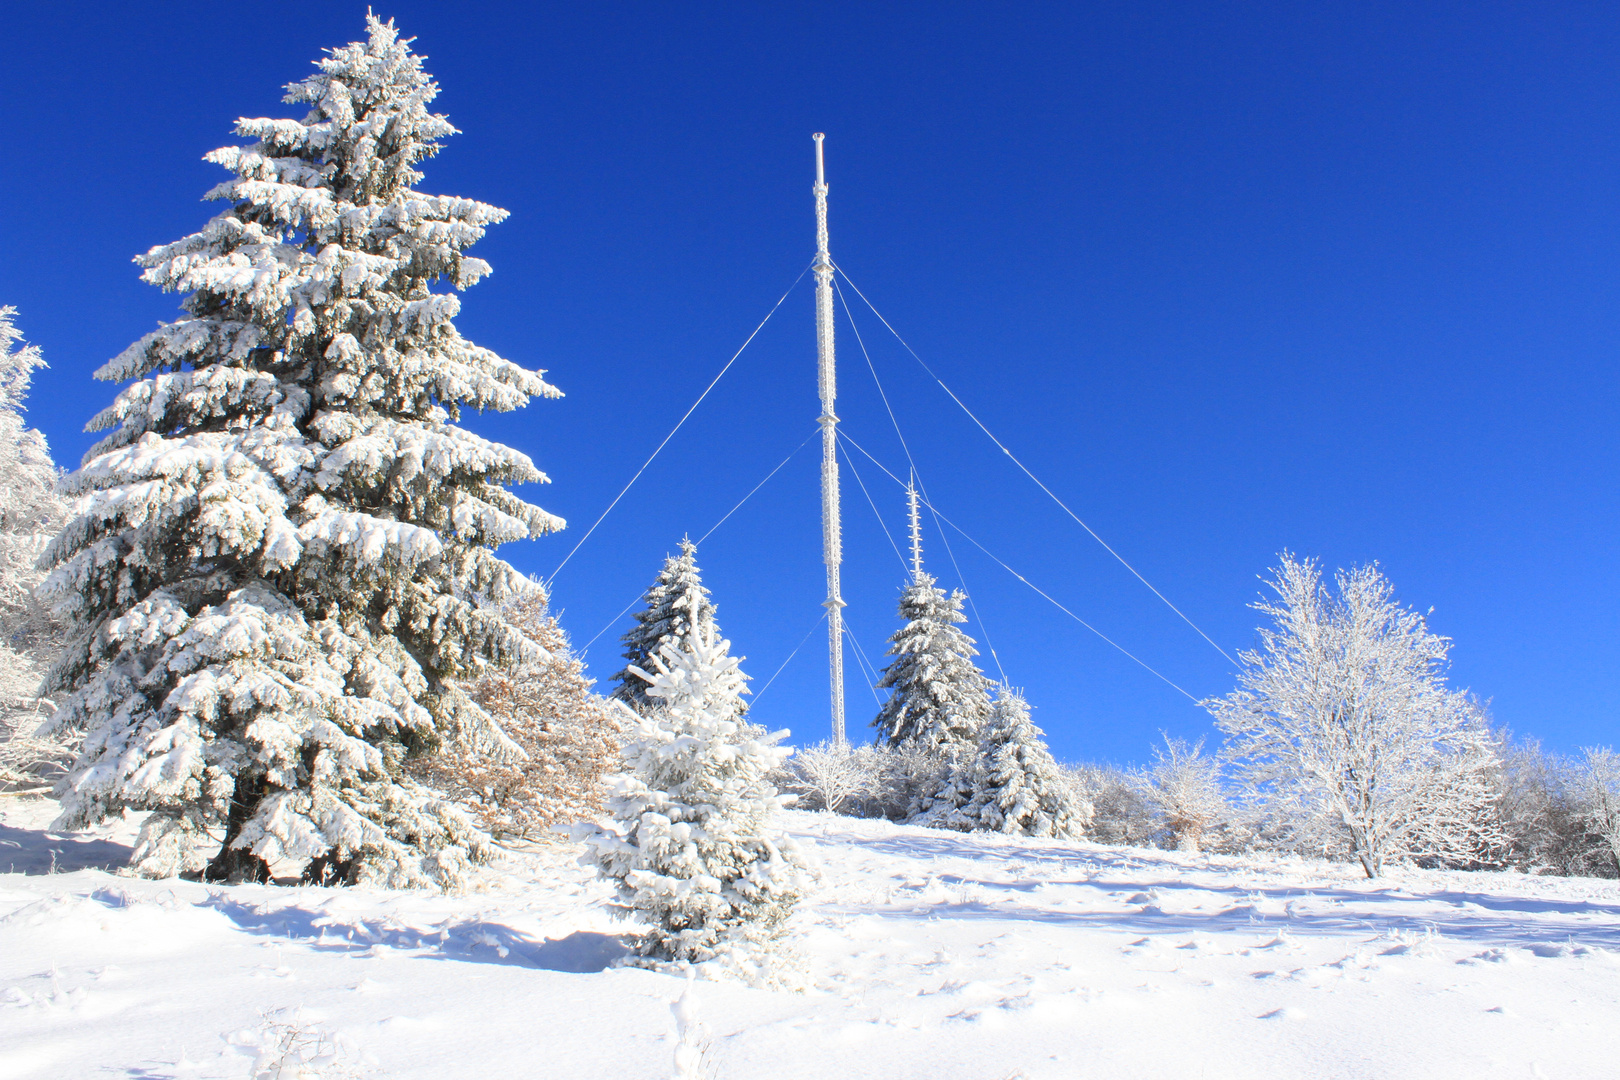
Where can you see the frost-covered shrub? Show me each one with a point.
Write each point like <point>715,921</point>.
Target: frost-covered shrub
<point>869,780</point>
<point>569,738</point>
<point>834,777</point>
<point>280,561</point>
<point>692,838</point>
<point>1120,813</point>
<point>1184,786</point>
<point>1542,814</point>
<point>1012,785</point>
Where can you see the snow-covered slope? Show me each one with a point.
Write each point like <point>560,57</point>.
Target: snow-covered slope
<point>931,954</point>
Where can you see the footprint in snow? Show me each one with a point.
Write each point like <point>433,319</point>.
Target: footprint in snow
<point>1283,1014</point>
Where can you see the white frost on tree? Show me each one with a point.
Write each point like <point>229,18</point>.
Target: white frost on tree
<point>1184,785</point>
<point>31,512</point>
<point>940,699</point>
<point>1012,785</point>
<point>672,605</point>
<point>692,840</point>
<point>1345,707</point>
<point>280,562</point>
<point>1597,790</point>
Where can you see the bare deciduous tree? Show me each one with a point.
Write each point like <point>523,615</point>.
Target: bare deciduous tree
<point>1598,788</point>
<point>1184,785</point>
<point>1345,705</point>
<point>568,736</point>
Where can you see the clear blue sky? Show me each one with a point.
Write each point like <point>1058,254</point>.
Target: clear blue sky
<point>1339,278</point>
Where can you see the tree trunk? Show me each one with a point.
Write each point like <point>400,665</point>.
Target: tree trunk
<point>234,865</point>
<point>1370,862</point>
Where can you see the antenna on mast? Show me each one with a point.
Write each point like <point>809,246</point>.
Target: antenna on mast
<point>915,518</point>
<point>831,549</point>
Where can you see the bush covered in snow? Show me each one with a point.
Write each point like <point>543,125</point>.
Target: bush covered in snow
<point>279,565</point>
<point>869,780</point>
<point>1184,786</point>
<point>692,838</point>
<point>1597,785</point>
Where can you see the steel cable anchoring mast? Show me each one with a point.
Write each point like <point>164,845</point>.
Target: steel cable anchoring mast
<point>831,547</point>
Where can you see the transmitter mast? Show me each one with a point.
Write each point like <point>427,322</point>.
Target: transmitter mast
<point>831,543</point>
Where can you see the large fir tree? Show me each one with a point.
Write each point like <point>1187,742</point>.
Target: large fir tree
<point>281,559</point>
<point>940,698</point>
<point>667,615</point>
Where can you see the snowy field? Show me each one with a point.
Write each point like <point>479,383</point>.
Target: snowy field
<point>931,955</point>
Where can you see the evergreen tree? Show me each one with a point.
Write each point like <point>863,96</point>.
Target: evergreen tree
<point>940,698</point>
<point>692,841</point>
<point>1012,785</point>
<point>667,616</point>
<point>281,562</point>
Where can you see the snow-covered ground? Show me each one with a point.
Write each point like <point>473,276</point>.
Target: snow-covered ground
<point>931,955</point>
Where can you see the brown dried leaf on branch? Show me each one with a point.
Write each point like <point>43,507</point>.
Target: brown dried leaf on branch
<point>571,737</point>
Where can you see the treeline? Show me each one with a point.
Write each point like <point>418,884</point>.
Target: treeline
<point>1343,740</point>
<point>1548,808</point>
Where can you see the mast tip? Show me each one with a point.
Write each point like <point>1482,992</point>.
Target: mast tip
<point>818,136</point>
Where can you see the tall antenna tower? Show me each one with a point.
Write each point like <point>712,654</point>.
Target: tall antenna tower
<point>915,519</point>
<point>831,546</point>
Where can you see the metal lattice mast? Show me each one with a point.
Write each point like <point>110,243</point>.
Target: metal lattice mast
<point>915,517</point>
<point>831,544</point>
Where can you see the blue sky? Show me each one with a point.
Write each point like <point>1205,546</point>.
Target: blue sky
<point>1229,278</point>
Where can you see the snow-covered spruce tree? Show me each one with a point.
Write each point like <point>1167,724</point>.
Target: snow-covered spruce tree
<point>1344,710</point>
<point>1012,785</point>
<point>1184,785</point>
<point>280,558</point>
<point>665,616</point>
<point>692,840</point>
<point>940,699</point>
<point>31,512</point>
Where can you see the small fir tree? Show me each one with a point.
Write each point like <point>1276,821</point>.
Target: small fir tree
<point>674,604</point>
<point>692,841</point>
<point>1012,785</point>
<point>281,563</point>
<point>940,698</point>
